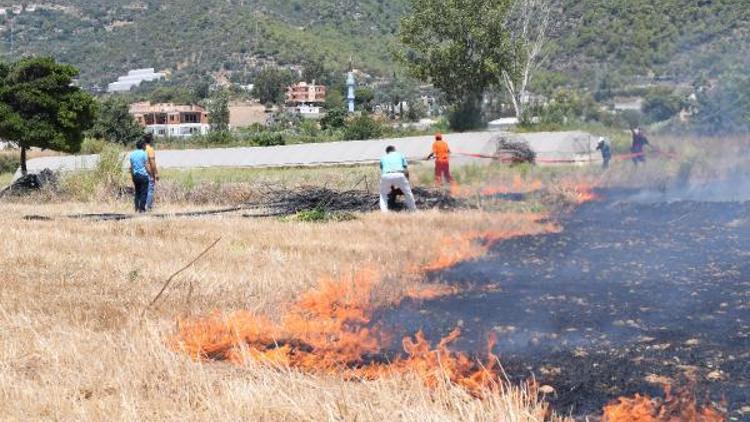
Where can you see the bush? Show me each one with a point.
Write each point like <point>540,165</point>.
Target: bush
<point>467,115</point>
<point>9,163</point>
<point>725,108</point>
<point>659,106</point>
<point>334,119</point>
<point>267,139</point>
<point>363,127</point>
<point>320,215</point>
<point>219,137</point>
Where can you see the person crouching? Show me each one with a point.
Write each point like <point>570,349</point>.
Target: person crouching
<point>141,173</point>
<point>395,174</point>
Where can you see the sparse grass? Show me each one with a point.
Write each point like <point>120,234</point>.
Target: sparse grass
<point>5,179</point>
<point>73,346</point>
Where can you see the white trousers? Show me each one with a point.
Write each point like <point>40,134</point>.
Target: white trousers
<point>398,181</point>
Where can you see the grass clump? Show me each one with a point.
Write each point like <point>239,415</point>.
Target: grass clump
<point>104,181</point>
<point>321,215</point>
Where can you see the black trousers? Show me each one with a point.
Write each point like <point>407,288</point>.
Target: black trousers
<point>141,192</point>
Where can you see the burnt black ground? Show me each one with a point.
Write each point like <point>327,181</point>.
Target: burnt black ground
<point>628,290</point>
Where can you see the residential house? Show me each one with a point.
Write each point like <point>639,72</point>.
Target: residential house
<point>306,99</point>
<point>170,120</point>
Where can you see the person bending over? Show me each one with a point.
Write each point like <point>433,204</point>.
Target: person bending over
<point>395,174</point>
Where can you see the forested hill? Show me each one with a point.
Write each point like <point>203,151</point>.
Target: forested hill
<point>670,39</point>
<point>107,37</point>
<point>677,39</point>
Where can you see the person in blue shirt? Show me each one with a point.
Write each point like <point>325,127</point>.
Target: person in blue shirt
<point>141,173</point>
<point>395,175</point>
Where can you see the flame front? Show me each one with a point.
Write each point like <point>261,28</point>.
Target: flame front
<point>679,407</point>
<point>328,331</point>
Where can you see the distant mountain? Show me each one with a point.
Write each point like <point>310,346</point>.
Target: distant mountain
<point>595,39</point>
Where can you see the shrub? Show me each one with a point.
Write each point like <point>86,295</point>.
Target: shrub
<point>334,119</point>
<point>467,115</point>
<point>659,106</point>
<point>320,215</point>
<point>267,139</point>
<point>363,127</point>
<point>724,108</point>
<point>9,163</point>
<point>219,137</point>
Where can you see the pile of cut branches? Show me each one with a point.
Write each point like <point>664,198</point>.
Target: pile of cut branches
<point>514,151</point>
<point>284,202</point>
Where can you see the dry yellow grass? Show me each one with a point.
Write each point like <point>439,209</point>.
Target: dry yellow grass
<point>72,345</point>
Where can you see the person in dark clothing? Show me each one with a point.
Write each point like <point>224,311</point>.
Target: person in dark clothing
<point>639,143</point>
<point>606,148</point>
<point>141,173</point>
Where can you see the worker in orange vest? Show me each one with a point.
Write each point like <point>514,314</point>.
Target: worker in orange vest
<point>441,153</point>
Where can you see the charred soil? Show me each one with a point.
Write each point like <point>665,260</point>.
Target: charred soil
<point>632,295</point>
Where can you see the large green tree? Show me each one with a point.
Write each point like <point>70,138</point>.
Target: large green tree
<point>462,47</point>
<point>40,106</point>
<point>114,122</point>
<point>270,85</point>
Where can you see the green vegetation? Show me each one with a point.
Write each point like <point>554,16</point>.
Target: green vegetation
<point>270,85</point>
<point>99,183</point>
<point>725,107</point>
<point>106,38</point>
<point>218,111</point>
<point>462,48</point>
<point>8,163</point>
<point>598,43</point>
<point>321,215</point>
<point>40,107</point>
<point>114,123</point>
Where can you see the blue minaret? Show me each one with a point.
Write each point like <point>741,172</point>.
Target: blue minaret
<point>350,83</point>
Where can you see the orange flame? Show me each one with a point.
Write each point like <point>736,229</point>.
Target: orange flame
<point>474,244</point>
<point>679,407</point>
<point>328,331</point>
<point>585,193</point>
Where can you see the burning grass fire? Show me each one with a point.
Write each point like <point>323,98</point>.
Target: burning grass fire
<point>328,331</point>
<point>679,407</point>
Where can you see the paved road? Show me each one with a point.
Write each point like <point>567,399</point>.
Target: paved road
<point>549,146</point>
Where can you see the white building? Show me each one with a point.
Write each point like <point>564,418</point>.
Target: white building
<point>307,111</point>
<point>134,78</point>
<point>171,120</point>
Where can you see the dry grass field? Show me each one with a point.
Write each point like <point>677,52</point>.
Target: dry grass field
<point>73,345</point>
<point>76,341</point>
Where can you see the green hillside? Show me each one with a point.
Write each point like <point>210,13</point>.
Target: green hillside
<point>105,38</point>
<point>626,40</point>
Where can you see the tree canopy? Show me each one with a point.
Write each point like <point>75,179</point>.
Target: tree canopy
<point>270,85</point>
<point>114,122</point>
<point>460,46</point>
<point>40,106</point>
